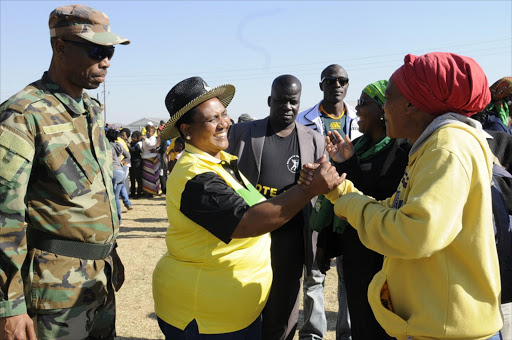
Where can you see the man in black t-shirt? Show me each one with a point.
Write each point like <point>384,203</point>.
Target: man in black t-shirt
<point>271,153</point>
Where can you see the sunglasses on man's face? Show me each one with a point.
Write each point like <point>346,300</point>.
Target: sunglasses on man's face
<point>95,52</point>
<point>332,80</point>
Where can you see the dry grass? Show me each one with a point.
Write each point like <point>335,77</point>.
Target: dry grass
<point>141,244</point>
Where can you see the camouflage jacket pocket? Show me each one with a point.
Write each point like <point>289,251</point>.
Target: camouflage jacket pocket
<point>58,281</point>
<point>72,169</point>
<point>14,153</point>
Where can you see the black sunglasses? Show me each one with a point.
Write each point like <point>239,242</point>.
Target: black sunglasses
<point>96,52</point>
<point>362,102</point>
<point>332,80</point>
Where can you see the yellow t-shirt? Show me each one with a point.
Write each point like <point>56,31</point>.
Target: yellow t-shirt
<point>123,143</point>
<point>170,150</point>
<point>224,287</point>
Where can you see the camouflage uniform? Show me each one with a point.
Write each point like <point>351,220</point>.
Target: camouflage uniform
<point>56,175</point>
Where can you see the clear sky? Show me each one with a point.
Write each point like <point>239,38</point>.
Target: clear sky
<point>249,43</point>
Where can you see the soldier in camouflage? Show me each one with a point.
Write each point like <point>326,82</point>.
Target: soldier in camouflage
<point>58,218</point>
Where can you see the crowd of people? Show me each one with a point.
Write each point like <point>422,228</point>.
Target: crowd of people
<point>141,162</point>
<point>409,191</point>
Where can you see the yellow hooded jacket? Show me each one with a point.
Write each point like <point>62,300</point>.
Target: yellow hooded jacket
<point>436,233</point>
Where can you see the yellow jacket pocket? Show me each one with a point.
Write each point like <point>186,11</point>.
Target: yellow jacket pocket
<point>393,324</point>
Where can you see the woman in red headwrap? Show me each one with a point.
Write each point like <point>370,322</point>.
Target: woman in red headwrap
<point>440,278</point>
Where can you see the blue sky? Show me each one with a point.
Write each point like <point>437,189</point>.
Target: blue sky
<point>249,43</point>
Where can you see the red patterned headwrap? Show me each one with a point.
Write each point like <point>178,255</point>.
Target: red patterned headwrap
<point>501,89</point>
<point>440,82</point>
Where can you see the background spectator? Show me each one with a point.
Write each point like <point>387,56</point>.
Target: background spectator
<point>136,168</point>
<point>150,162</point>
<point>245,117</point>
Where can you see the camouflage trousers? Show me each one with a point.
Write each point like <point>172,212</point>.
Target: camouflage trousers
<point>93,321</point>
<point>70,298</point>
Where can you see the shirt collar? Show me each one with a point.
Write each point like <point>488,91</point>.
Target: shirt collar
<point>224,156</point>
<point>64,98</point>
<point>322,110</point>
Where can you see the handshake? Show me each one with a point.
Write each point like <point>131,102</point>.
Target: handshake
<point>320,177</point>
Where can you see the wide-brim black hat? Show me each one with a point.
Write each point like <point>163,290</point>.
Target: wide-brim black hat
<point>186,95</point>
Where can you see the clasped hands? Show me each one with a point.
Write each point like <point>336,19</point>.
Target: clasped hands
<point>319,177</point>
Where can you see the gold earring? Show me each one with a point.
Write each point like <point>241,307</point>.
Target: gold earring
<point>188,137</point>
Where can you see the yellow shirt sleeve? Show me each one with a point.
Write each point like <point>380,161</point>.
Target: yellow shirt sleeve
<point>429,217</point>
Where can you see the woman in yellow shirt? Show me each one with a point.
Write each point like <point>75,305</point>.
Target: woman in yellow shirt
<point>214,280</point>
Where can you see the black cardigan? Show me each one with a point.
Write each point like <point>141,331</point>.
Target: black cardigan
<point>501,146</point>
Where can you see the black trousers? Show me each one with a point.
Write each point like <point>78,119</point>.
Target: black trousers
<point>281,312</point>
<point>135,180</point>
<point>360,264</point>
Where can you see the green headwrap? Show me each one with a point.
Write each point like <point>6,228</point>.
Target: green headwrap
<point>376,91</point>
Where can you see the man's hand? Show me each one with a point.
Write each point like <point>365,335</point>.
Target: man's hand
<point>18,327</point>
<point>118,270</point>
<point>307,173</point>
<point>323,177</point>
<point>340,149</point>
<point>323,263</point>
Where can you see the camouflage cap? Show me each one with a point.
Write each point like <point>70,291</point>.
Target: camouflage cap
<point>85,22</point>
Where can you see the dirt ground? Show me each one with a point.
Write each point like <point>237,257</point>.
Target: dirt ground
<point>141,244</point>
